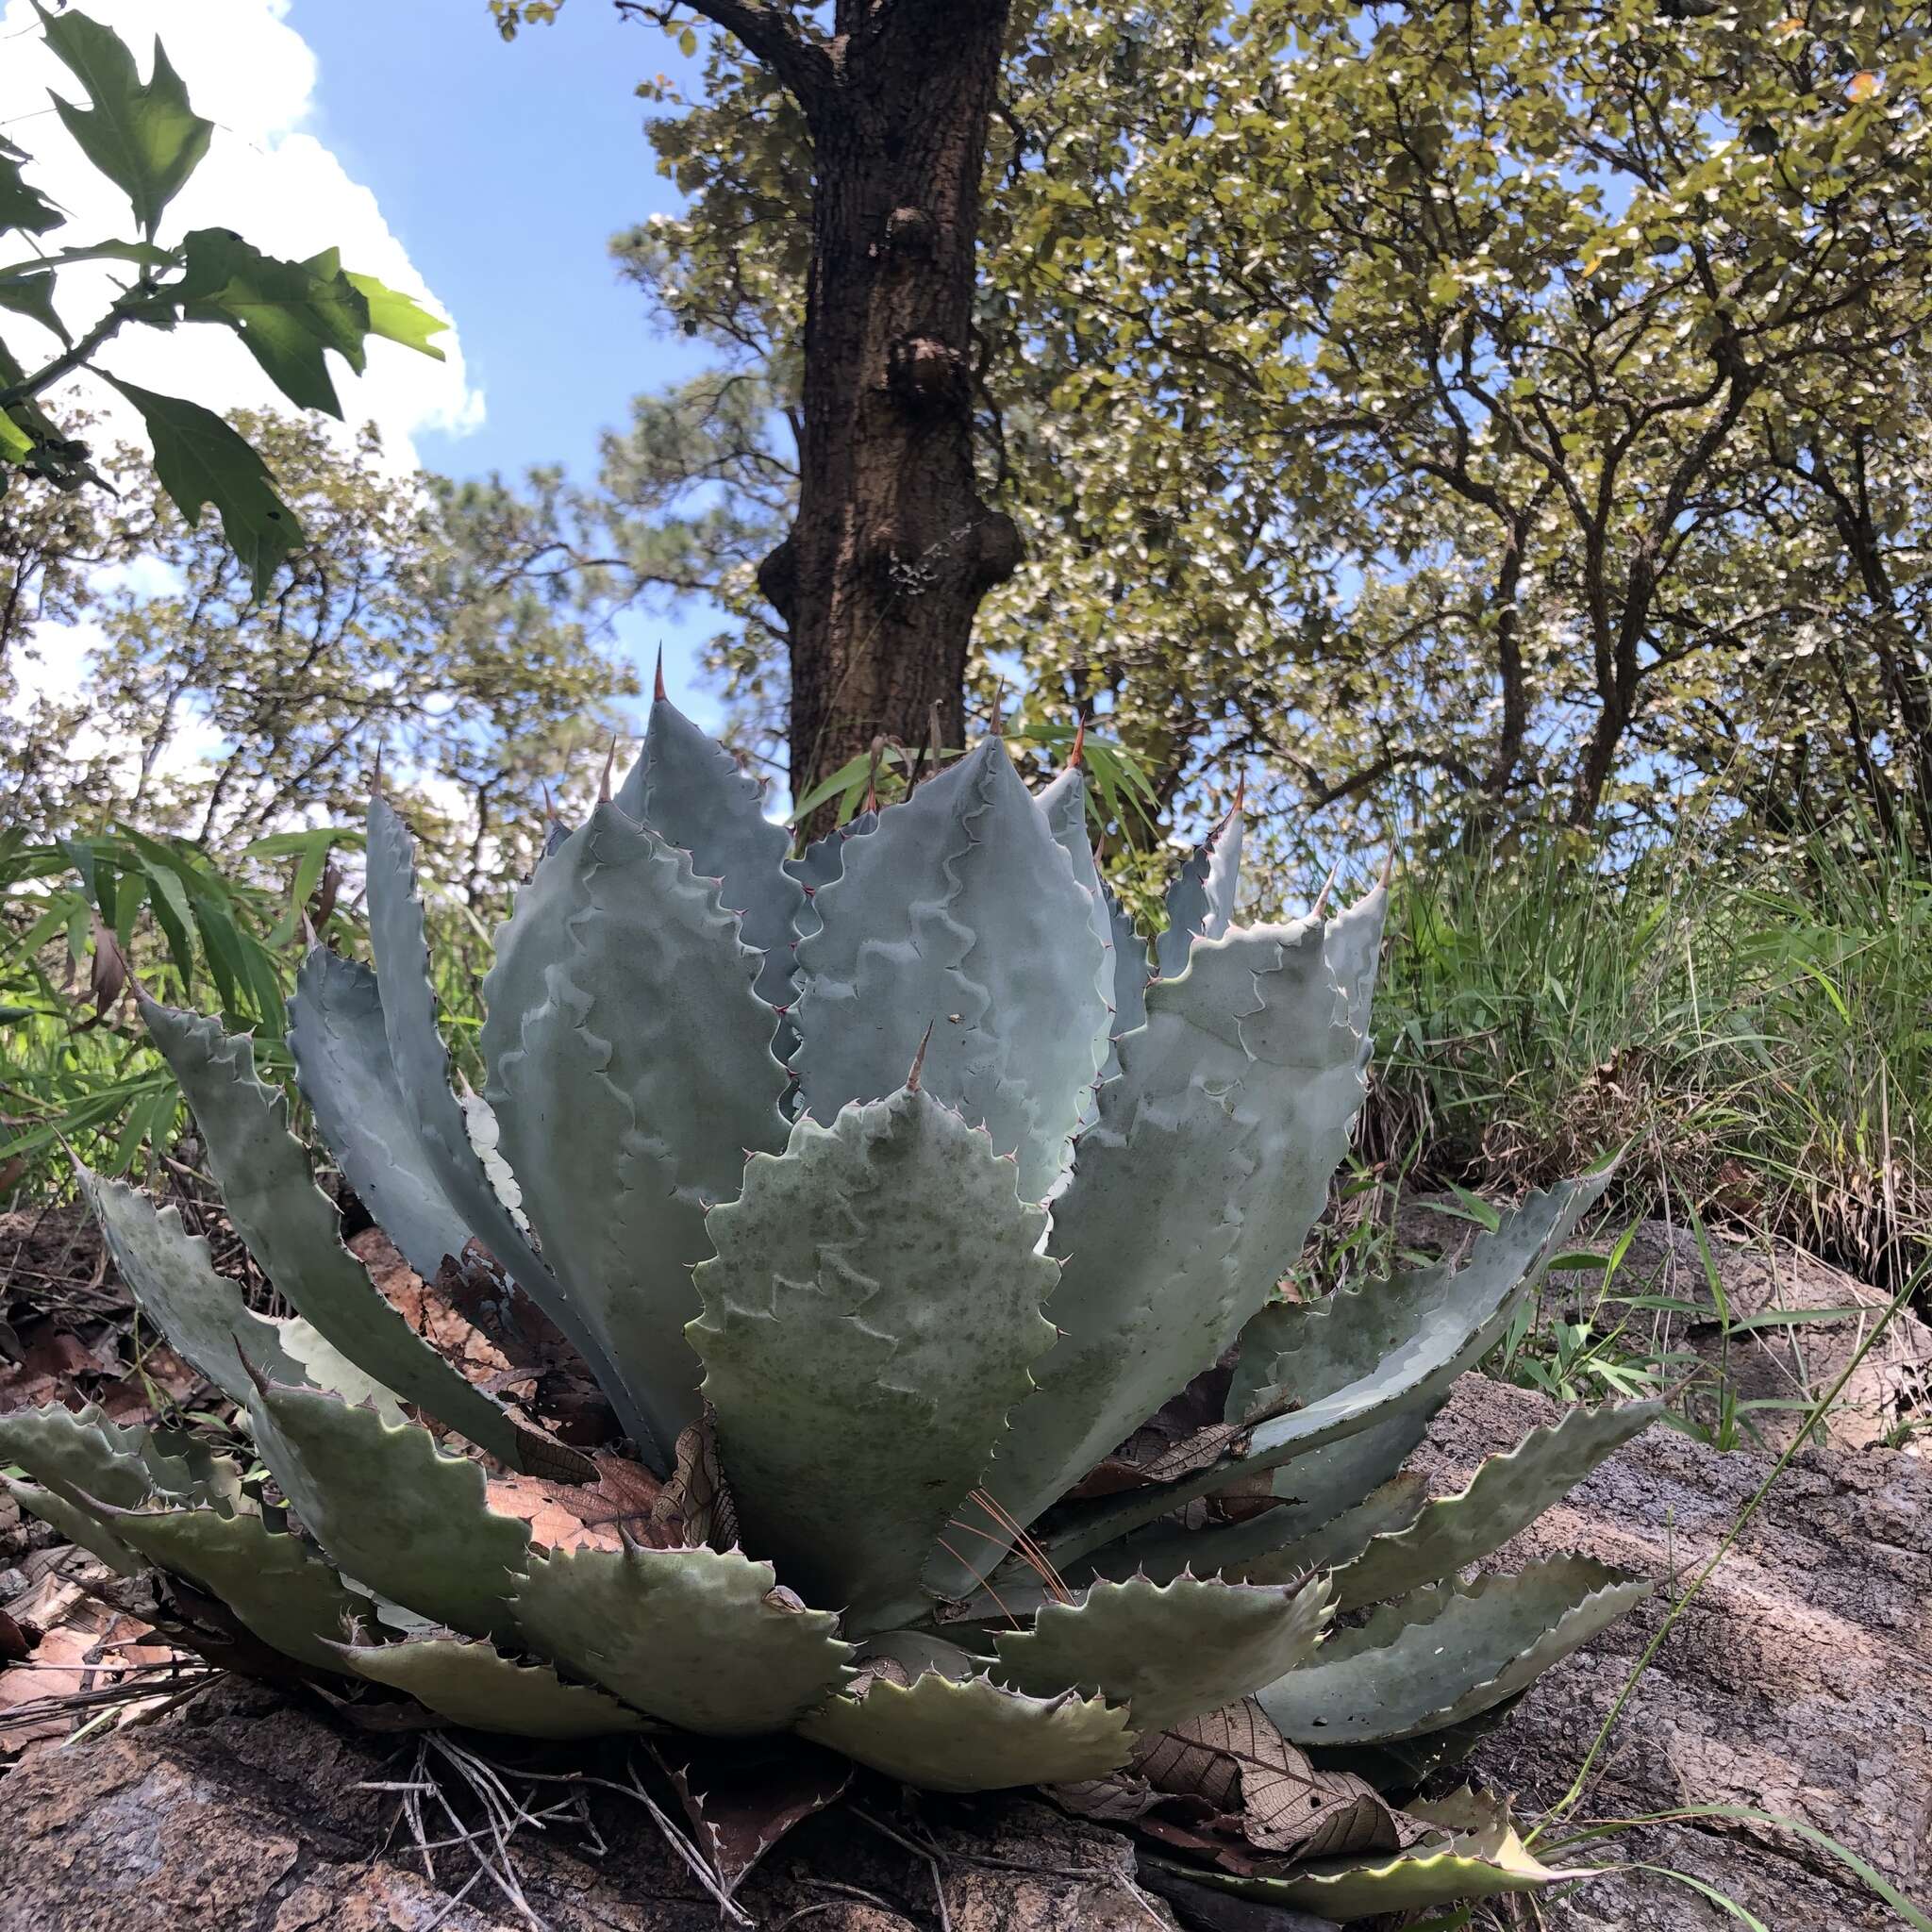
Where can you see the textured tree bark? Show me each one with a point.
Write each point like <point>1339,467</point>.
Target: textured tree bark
<point>891,549</point>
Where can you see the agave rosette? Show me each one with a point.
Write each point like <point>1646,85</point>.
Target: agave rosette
<point>906,1184</point>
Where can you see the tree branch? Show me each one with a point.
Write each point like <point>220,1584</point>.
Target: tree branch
<point>799,59</point>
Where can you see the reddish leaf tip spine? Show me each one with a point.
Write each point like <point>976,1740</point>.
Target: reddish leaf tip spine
<point>919,1059</point>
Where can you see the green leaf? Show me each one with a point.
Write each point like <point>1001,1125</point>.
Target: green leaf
<point>1169,1652</point>
<point>398,318</point>
<point>948,1735</point>
<point>276,1584</point>
<point>1447,1652</point>
<point>23,208</point>
<point>200,460</point>
<point>144,137</point>
<point>475,1685</point>
<point>33,296</point>
<point>869,1322</point>
<point>631,1072</point>
<point>700,1638</point>
<point>289,313</point>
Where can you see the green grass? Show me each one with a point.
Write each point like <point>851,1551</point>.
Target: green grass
<point>1756,1035</point>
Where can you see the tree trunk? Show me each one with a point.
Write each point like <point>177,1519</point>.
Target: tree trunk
<point>891,549</point>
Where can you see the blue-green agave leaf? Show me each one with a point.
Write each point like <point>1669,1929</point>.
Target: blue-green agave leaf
<point>958,913</point>
<point>1356,1360</point>
<point>1133,971</point>
<point>1504,1496</point>
<point>203,1315</point>
<point>1192,1192</point>
<point>1353,941</point>
<point>421,1061</point>
<point>341,1048</point>
<point>630,1073</point>
<point>292,1229</point>
<point>1167,1651</point>
<point>1064,804</point>
<point>475,1685</point>
<point>1200,902</point>
<point>700,1638</point>
<point>948,1735</point>
<point>692,792</point>
<point>819,864</point>
<point>1354,1356</point>
<point>1276,1546</point>
<point>74,1521</point>
<point>274,1582</point>
<point>1447,1652</point>
<point>868,1323</point>
<point>82,1455</point>
<point>391,1509</point>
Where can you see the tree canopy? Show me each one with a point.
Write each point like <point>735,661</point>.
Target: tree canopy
<point>412,624</point>
<point>1428,412</point>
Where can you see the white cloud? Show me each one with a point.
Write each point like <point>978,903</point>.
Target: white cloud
<point>253,75</point>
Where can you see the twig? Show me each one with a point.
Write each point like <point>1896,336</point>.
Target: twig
<point>918,1851</point>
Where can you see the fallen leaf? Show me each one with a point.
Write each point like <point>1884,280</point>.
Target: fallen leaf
<point>741,1799</point>
<point>1230,1787</point>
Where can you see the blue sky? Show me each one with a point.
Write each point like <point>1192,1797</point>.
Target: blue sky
<point>505,169</point>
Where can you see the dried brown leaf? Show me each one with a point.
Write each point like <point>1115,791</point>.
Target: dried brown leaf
<point>741,1799</point>
<point>694,1507</point>
<point>1236,1761</point>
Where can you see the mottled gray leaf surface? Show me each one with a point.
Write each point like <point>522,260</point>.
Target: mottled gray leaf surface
<point>1443,1654</point>
<point>274,1582</point>
<point>973,1737</point>
<point>1200,902</point>
<point>1505,1494</point>
<point>341,1048</point>
<point>85,1528</point>
<point>1133,968</point>
<point>1063,803</point>
<point>1353,941</point>
<point>700,1638</point>
<point>293,1230</point>
<point>1276,1546</point>
<point>868,1323</point>
<point>820,863</point>
<point>1358,1360</point>
<point>630,1072</point>
<point>1167,1651</point>
<point>401,949</point>
<point>692,792</point>
<point>81,1454</point>
<point>958,912</point>
<point>203,1315</point>
<point>391,1509</point>
<point>475,1685</point>
<point>1192,1192</point>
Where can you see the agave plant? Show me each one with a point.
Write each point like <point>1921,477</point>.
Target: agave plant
<point>925,1229</point>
